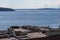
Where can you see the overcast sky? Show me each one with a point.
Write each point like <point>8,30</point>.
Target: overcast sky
<point>30,3</point>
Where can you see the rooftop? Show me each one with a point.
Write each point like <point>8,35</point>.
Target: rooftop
<point>34,35</point>
<point>12,38</point>
<point>22,30</point>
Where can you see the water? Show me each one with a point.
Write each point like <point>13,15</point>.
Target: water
<point>30,17</point>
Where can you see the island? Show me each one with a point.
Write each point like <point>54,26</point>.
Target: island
<point>49,9</point>
<point>42,9</point>
<point>6,9</point>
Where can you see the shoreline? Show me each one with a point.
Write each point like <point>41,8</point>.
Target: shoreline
<point>29,32</point>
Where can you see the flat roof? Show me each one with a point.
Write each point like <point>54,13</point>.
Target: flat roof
<point>8,38</point>
<point>34,35</point>
<point>22,30</point>
<point>29,36</point>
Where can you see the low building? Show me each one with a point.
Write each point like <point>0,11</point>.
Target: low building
<point>34,35</point>
<point>3,34</point>
<point>21,31</point>
<point>12,38</point>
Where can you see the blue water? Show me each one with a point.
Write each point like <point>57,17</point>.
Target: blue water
<point>30,17</point>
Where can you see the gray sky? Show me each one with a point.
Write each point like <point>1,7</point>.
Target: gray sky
<point>30,3</point>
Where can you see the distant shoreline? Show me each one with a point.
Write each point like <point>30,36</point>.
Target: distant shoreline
<point>6,9</point>
<point>41,9</point>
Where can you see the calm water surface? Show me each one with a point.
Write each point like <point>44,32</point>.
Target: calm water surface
<point>30,17</point>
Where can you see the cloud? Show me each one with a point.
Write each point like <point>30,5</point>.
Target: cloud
<point>30,3</point>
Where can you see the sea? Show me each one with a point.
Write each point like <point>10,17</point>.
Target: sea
<point>21,17</point>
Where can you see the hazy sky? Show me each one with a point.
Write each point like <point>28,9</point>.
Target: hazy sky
<point>30,3</point>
